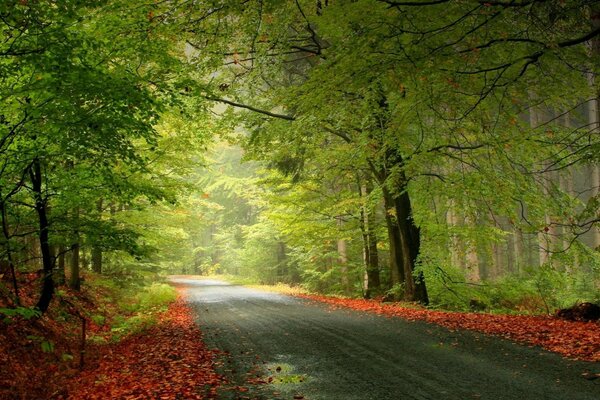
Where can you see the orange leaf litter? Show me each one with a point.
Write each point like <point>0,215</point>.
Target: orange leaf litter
<point>170,361</point>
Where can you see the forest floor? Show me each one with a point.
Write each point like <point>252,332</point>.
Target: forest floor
<point>228,342</point>
<point>164,359</point>
<point>168,361</point>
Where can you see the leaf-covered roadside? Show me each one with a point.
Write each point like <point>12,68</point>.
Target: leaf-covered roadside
<point>576,340</point>
<point>169,361</point>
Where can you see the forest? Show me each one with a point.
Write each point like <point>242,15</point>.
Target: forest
<point>439,152</point>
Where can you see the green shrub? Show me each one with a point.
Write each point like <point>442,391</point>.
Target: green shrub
<point>157,295</point>
<point>538,290</point>
<point>448,289</point>
<point>23,312</point>
<point>396,292</point>
<point>135,324</point>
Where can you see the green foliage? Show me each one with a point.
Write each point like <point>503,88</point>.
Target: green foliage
<point>479,127</point>
<point>396,291</point>
<point>459,119</point>
<point>448,289</point>
<point>538,290</point>
<point>318,280</point>
<point>138,323</point>
<point>156,296</point>
<point>128,307</point>
<point>20,312</point>
<point>47,346</point>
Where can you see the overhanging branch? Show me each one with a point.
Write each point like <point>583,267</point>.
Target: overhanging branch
<point>251,108</point>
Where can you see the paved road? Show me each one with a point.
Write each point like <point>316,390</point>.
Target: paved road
<point>311,351</point>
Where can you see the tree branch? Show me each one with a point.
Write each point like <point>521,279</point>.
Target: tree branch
<point>251,108</point>
<point>342,135</point>
<point>579,40</point>
<point>455,147</point>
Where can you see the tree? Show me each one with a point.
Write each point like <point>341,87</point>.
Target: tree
<point>75,102</point>
<point>428,104</point>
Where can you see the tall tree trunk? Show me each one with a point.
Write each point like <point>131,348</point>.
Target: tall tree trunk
<point>595,231</point>
<point>396,257</point>
<point>373,261</point>
<point>74,279</point>
<point>452,221</point>
<point>410,235</point>
<point>47,291</point>
<point>11,264</point>
<point>365,239</point>
<point>543,236</point>
<point>404,237</point>
<point>518,241</point>
<point>372,285</point>
<point>60,269</point>
<point>343,259</point>
<point>472,264</point>
<point>594,119</point>
<point>342,250</point>
<point>97,259</point>
<point>83,256</point>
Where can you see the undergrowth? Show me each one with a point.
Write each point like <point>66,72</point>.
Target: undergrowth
<point>38,351</point>
<point>534,291</point>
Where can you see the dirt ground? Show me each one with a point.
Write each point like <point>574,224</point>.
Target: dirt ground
<point>305,350</point>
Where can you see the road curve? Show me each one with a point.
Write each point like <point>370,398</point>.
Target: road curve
<point>316,353</point>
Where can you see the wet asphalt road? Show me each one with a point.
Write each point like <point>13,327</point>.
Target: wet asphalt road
<point>312,352</point>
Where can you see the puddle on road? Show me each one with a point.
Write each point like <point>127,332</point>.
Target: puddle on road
<point>282,374</point>
<point>283,378</point>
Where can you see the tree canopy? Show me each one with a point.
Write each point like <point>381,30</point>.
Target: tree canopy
<point>435,151</point>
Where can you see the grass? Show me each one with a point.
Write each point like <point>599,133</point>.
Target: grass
<point>123,311</point>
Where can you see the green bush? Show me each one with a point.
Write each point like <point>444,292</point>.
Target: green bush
<point>396,292</point>
<point>136,308</point>
<point>157,295</point>
<point>448,289</point>
<point>23,312</point>
<point>135,324</point>
<point>538,290</point>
